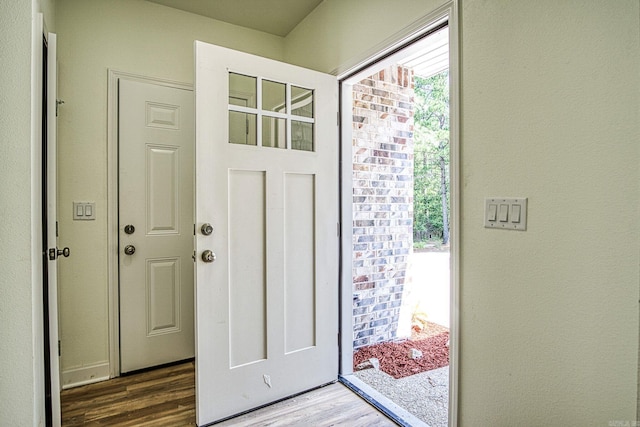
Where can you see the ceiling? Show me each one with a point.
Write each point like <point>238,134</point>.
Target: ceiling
<point>276,17</point>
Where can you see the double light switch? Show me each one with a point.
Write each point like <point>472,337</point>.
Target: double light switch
<point>84,210</point>
<point>505,213</point>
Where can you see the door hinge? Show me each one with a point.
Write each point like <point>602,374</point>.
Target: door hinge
<point>194,229</point>
<point>57,235</point>
<point>194,256</point>
<point>338,118</point>
<point>59,349</point>
<point>338,229</point>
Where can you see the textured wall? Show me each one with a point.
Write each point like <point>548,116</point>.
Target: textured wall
<point>382,202</point>
<point>549,317</point>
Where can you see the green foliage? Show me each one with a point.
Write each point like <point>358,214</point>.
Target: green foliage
<point>431,156</point>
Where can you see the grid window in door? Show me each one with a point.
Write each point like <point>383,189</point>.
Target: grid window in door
<point>272,114</point>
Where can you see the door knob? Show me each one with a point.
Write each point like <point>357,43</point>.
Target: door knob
<point>129,249</point>
<point>208,256</point>
<point>206,229</point>
<point>64,252</point>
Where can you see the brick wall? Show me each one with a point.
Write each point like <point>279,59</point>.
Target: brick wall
<point>382,202</point>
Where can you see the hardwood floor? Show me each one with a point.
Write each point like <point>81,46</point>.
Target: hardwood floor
<point>162,397</point>
<point>166,397</point>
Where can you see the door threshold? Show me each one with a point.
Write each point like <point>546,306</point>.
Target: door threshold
<point>397,414</point>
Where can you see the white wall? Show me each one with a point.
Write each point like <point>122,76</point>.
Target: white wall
<point>133,36</point>
<point>21,376</point>
<point>550,111</point>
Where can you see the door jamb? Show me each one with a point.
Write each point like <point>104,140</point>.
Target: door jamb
<point>447,12</point>
<point>113,276</point>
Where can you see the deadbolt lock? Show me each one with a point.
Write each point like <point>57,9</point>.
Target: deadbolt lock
<point>206,229</point>
<point>129,229</point>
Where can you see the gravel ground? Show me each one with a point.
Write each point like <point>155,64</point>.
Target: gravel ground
<point>425,395</point>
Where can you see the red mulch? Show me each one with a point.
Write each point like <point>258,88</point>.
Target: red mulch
<point>395,359</point>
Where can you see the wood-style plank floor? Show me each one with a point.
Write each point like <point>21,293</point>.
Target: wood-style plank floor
<point>162,397</point>
<point>166,397</point>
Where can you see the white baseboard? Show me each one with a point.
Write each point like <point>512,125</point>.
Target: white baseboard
<point>85,375</point>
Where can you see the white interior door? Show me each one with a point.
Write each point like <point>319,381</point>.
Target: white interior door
<point>156,144</point>
<point>267,307</point>
<point>52,224</point>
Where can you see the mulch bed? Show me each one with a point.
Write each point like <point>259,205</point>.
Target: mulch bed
<point>395,357</point>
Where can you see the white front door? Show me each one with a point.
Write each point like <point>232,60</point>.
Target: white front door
<point>156,144</point>
<point>267,181</point>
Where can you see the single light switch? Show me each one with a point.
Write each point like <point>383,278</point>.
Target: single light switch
<point>515,213</point>
<point>504,212</point>
<point>491,215</point>
<point>79,210</point>
<point>88,210</point>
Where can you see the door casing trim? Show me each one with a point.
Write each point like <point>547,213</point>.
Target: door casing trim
<point>113,277</point>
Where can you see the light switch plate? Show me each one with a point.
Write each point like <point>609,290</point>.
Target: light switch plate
<point>516,213</point>
<point>84,211</point>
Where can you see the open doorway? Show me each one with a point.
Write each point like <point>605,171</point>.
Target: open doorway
<point>398,206</point>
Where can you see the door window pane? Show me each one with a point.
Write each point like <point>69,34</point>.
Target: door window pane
<point>242,128</point>
<point>270,114</point>
<point>274,132</point>
<point>274,96</point>
<point>242,88</point>
<point>301,101</point>
<point>301,135</point>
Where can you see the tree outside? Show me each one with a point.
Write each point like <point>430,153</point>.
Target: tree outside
<point>431,159</point>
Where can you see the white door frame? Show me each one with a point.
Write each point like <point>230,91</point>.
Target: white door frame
<point>112,205</point>
<point>379,55</point>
